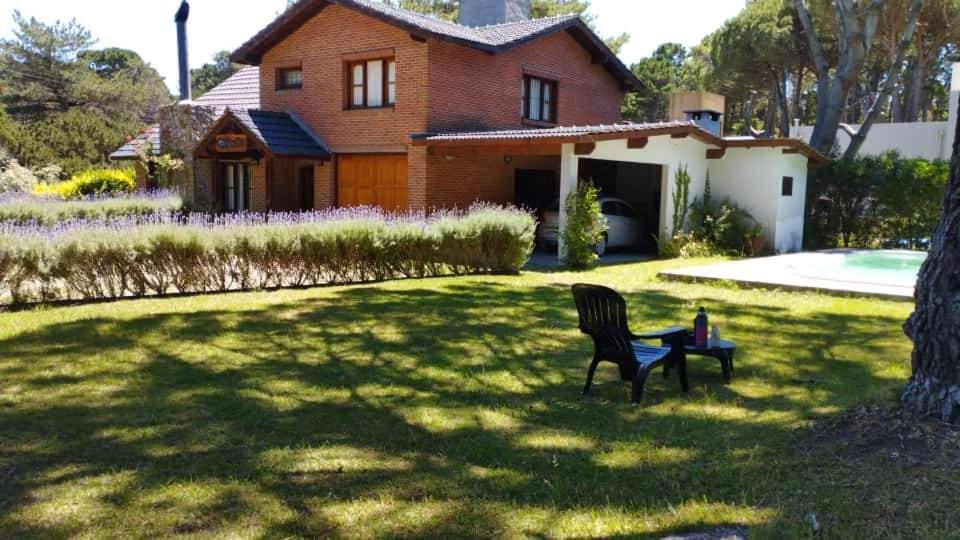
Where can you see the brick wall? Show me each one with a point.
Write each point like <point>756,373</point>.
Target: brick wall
<point>472,90</point>
<point>459,182</point>
<point>321,47</point>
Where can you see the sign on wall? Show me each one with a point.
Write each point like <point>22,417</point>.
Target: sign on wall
<point>231,143</point>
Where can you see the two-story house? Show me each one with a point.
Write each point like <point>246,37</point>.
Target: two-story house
<point>354,102</point>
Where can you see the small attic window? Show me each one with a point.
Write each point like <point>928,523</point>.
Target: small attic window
<point>289,78</point>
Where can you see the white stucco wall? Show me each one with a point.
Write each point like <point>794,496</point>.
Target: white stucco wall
<point>753,178</point>
<point>926,140</point>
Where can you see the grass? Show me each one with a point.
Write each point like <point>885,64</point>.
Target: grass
<point>447,407</point>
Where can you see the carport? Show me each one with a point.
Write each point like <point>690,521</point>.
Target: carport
<point>635,151</point>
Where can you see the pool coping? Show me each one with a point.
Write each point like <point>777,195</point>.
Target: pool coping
<point>721,272</point>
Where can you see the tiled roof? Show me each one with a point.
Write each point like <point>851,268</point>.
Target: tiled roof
<point>282,133</point>
<point>493,39</point>
<point>240,91</point>
<point>566,132</point>
<point>129,150</point>
<point>585,134</point>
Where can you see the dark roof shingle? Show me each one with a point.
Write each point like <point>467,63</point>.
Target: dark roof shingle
<point>281,133</point>
<point>493,39</point>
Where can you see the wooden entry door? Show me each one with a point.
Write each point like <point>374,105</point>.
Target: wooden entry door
<point>372,180</point>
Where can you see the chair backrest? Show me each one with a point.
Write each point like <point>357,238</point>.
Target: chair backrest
<point>603,316</point>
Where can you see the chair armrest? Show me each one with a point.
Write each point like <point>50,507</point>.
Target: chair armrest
<point>662,334</point>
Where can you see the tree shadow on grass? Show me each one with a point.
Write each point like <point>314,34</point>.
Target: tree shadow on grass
<point>435,411</point>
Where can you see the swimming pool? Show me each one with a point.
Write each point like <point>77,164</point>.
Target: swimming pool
<point>886,273</point>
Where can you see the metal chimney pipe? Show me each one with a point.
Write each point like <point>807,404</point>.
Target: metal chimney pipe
<point>181,19</point>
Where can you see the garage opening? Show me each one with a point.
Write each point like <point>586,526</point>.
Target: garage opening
<point>630,199</point>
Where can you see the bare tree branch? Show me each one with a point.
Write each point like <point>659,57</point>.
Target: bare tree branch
<point>889,81</point>
<point>819,59</point>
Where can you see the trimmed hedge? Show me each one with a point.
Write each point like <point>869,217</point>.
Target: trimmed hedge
<point>26,209</point>
<point>124,258</point>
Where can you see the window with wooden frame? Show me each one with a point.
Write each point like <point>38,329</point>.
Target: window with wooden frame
<point>372,83</point>
<point>290,78</point>
<point>539,99</point>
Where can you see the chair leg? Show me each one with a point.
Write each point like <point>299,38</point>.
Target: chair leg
<point>593,368</point>
<point>639,381</point>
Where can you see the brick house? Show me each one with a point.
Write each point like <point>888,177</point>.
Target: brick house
<point>354,102</point>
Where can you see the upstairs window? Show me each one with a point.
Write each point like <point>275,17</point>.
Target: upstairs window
<point>539,99</point>
<point>373,83</point>
<point>289,78</point>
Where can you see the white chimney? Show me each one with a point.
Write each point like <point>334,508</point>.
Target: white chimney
<point>487,12</point>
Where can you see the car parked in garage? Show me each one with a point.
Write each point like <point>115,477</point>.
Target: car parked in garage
<point>623,225</point>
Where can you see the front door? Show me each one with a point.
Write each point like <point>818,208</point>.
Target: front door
<point>306,188</point>
<point>372,180</point>
<point>237,186</point>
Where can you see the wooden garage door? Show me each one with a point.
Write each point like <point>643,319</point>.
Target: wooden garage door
<point>372,180</point>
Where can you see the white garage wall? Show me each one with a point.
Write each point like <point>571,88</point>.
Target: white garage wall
<point>752,178</point>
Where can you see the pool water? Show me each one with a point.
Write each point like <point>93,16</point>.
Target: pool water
<point>880,267</point>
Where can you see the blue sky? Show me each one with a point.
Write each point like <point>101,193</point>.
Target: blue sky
<point>147,26</point>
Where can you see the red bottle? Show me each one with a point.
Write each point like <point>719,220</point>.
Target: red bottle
<point>700,328</point>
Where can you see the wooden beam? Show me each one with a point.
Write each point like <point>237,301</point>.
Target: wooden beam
<point>584,149</point>
<point>791,150</point>
<point>716,153</point>
<point>637,143</point>
<point>681,135</point>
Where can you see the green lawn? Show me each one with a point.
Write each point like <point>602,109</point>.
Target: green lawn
<point>447,407</point>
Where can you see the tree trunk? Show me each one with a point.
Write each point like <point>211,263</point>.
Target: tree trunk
<point>917,91</point>
<point>886,88</point>
<point>934,326</point>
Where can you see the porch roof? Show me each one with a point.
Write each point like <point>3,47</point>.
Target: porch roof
<point>514,138</point>
<point>150,136</point>
<point>275,133</point>
<point>568,134</point>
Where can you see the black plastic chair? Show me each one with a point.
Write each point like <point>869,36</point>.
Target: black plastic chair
<point>603,316</point>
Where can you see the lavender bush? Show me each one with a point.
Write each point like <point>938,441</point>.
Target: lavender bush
<point>163,254</point>
<point>25,209</point>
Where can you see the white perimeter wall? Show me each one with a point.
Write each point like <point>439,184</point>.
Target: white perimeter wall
<point>927,140</point>
<point>753,178</point>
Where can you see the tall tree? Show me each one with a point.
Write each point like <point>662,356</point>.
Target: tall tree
<point>856,26</point>
<point>858,136</point>
<point>659,75</point>
<point>934,387</point>
<point>207,76</point>
<point>71,104</point>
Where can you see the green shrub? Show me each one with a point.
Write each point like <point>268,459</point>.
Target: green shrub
<point>115,259</point>
<point>14,178</point>
<point>46,211</point>
<point>92,182</point>
<point>722,227</point>
<point>584,228</point>
<point>872,201</point>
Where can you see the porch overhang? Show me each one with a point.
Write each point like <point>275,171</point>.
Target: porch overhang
<point>255,134</point>
<point>550,141</point>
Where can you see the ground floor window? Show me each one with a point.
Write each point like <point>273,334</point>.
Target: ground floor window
<point>238,187</point>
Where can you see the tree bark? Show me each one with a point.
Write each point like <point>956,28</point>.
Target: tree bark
<point>917,92</point>
<point>889,81</point>
<point>855,30</point>
<point>934,326</point>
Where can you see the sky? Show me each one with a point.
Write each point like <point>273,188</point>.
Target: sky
<point>147,27</point>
